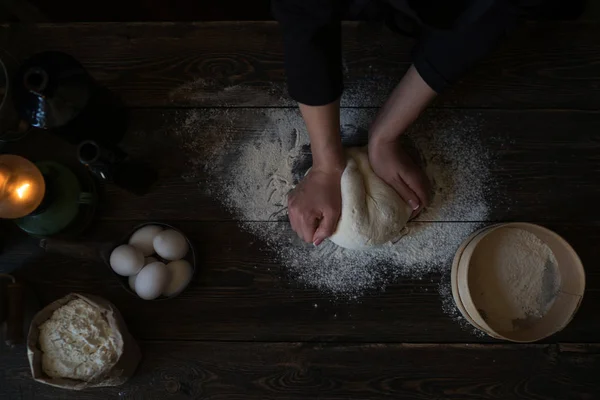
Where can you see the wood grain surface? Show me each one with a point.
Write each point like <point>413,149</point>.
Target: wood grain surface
<point>246,328</point>
<point>531,154</point>
<point>241,292</point>
<point>225,10</point>
<point>213,370</point>
<point>543,65</point>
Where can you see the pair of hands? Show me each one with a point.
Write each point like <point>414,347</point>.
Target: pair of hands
<point>314,206</point>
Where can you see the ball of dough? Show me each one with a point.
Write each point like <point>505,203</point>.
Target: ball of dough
<point>126,260</point>
<point>372,211</point>
<point>143,238</point>
<point>151,281</point>
<point>171,245</point>
<point>181,275</point>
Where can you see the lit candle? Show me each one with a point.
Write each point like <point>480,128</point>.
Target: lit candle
<point>23,190</point>
<point>22,186</point>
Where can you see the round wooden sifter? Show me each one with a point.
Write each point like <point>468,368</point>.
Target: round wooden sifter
<point>101,252</point>
<point>566,300</point>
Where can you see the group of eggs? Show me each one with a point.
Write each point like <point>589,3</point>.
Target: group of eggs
<point>150,277</point>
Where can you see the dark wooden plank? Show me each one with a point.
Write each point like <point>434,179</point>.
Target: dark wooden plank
<point>266,371</point>
<point>24,11</point>
<point>227,10</point>
<point>591,11</point>
<point>544,167</point>
<point>543,65</point>
<point>148,10</point>
<point>242,292</point>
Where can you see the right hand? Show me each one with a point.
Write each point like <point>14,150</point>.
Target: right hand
<point>395,167</point>
<point>315,205</point>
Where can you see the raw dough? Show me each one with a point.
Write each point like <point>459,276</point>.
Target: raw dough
<point>372,212</point>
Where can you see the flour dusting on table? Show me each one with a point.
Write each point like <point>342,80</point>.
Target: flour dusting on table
<point>250,159</point>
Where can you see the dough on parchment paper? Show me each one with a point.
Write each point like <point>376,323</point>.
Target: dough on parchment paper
<point>372,211</point>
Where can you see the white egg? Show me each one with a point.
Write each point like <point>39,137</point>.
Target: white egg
<point>126,260</point>
<point>152,280</point>
<point>181,275</point>
<point>144,237</point>
<point>171,245</point>
<point>131,281</point>
<point>150,260</point>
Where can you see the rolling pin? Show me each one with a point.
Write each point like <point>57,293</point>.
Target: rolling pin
<point>12,309</point>
<point>3,301</point>
<point>84,251</point>
<point>16,310</point>
<point>4,296</point>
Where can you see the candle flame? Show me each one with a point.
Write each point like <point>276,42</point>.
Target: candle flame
<point>23,190</point>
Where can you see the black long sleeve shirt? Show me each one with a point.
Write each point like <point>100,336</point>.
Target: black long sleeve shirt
<point>452,36</point>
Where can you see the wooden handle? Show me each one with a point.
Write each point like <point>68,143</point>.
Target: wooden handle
<point>3,302</point>
<point>87,251</point>
<point>14,321</point>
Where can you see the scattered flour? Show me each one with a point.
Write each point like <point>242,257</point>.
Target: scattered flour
<point>449,307</point>
<point>518,276</point>
<point>251,158</point>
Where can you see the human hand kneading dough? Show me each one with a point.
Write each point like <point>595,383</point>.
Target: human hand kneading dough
<point>314,206</point>
<point>451,39</point>
<point>396,168</point>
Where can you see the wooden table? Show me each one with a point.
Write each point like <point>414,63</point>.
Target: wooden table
<point>241,330</point>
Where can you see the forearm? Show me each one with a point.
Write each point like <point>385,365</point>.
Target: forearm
<point>410,97</point>
<point>323,125</point>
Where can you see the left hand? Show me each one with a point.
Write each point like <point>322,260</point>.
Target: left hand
<point>315,205</point>
<point>392,164</point>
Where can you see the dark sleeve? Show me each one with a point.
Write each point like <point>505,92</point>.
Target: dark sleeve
<point>312,45</point>
<point>442,56</point>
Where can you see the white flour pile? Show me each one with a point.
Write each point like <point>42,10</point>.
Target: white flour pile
<point>250,159</point>
<point>516,276</point>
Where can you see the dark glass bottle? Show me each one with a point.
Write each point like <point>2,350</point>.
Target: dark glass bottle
<point>53,91</point>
